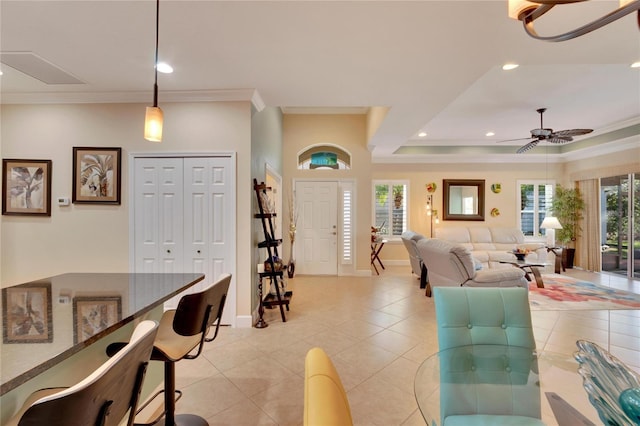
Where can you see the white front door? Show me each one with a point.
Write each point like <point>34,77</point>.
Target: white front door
<point>317,229</point>
<point>184,220</point>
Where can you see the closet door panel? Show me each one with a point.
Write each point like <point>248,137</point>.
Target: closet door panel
<point>222,226</point>
<point>184,220</point>
<point>196,219</point>
<point>157,214</point>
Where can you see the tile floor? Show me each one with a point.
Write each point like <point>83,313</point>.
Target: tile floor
<point>377,330</point>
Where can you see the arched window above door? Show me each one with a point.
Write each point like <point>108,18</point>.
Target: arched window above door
<point>325,156</point>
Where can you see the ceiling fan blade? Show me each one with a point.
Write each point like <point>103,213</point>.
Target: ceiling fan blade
<point>572,132</point>
<point>513,140</point>
<point>560,140</point>
<point>528,146</point>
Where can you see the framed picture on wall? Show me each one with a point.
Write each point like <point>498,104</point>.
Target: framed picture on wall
<point>26,187</point>
<point>96,175</point>
<point>92,315</point>
<point>26,314</point>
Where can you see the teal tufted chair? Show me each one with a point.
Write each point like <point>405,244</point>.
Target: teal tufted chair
<point>488,335</point>
<point>483,316</point>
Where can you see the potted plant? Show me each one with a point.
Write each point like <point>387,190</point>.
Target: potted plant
<point>397,195</point>
<point>568,206</point>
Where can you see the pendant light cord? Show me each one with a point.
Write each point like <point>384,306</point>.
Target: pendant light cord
<point>155,65</point>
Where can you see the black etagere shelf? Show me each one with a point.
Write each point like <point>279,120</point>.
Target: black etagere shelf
<point>273,271</point>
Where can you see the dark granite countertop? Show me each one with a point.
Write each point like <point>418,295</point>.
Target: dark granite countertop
<point>47,320</point>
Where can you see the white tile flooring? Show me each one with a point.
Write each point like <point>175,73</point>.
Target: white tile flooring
<point>377,330</point>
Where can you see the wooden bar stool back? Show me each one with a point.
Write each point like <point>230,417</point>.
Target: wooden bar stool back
<point>103,398</point>
<point>181,335</point>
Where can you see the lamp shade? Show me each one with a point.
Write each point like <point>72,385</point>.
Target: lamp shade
<point>551,222</point>
<point>153,124</point>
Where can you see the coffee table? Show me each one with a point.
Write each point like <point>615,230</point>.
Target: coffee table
<point>531,266</point>
<point>480,382</point>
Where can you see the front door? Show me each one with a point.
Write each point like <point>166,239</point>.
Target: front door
<point>317,236</point>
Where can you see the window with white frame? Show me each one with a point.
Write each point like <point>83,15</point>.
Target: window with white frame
<point>390,206</point>
<point>534,203</point>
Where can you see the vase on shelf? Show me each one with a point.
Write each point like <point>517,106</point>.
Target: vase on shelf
<point>291,269</point>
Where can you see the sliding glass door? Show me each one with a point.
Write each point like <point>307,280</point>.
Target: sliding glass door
<point>620,225</point>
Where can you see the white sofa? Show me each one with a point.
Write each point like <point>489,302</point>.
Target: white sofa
<point>489,245</point>
<point>451,265</point>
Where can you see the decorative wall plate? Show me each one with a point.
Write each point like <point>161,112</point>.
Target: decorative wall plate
<point>496,188</point>
<point>431,187</point>
<point>495,212</point>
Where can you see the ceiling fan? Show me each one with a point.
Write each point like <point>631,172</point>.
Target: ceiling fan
<point>542,134</point>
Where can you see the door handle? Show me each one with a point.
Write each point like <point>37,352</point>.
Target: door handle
<point>168,251</point>
<point>198,251</point>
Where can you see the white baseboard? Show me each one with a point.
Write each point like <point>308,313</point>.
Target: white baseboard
<point>244,321</point>
<point>397,262</point>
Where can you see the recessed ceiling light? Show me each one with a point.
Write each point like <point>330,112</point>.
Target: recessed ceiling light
<point>422,134</point>
<point>1,72</point>
<point>490,134</point>
<point>635,65</point>
<point>164,68</point>
<point>508,67</point>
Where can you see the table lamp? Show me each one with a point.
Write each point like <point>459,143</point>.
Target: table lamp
<point>550,224</point>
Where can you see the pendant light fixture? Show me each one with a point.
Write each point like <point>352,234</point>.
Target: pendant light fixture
<point>154,117</point>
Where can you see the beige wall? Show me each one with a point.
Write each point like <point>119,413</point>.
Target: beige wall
<point>349,132</point>
<point>95,238</point>
<point>418,175</point>
<point>606,165</point>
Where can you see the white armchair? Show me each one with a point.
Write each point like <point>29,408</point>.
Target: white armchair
<point>451,264</point>
<point>410,240</point>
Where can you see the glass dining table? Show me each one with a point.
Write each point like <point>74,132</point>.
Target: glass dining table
<point>496,384</point>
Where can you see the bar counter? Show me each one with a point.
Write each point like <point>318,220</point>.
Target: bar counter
<point>47,321</point>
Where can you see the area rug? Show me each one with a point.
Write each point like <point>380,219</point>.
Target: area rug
<point>565,293</point>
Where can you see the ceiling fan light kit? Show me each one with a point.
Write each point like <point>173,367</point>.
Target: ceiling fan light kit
<point>529,11</point>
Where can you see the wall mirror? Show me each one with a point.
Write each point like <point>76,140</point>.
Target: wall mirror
<point>463,199</point>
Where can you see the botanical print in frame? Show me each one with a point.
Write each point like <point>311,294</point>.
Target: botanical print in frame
<point>26,314</point>
<point>96,175</point>
<point>26,187</point>
<point>91,315</point>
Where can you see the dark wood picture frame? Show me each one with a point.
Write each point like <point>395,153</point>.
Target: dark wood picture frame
<point>26,187</point>
<point>94,314</point>
<point>27,314</point>
<point>96,175</point>
<point>476,185</point>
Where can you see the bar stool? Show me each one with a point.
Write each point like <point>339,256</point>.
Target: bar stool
<point>181,332</point>
<point>103,398</point>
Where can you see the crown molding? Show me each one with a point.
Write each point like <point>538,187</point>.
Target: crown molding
<point>227,95</point>
<point>493,157</point>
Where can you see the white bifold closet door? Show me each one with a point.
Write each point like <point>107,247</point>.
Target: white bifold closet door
<point>184,219</point>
